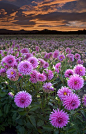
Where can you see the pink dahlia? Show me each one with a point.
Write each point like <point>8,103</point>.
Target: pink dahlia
<point>70,57</point>
<point>25,67</point>
<point>68,73</point>
<point>11,73</point>
<point>41,77</point>
<point>77,56</point>
<point>37,48</point>
<point>48,73</point>
<point>33,76</point>
<point>63,92</point>
<point>84,100</point>
<point>24,50</point>
<point>27,55</point>
<point>75,82</point>
<point>61,57</point>
<point>41,62</point>
<point>55,54</point>
<point>33,61</point>
<point>68,50</point>
<point>79,69</point>
<point>47,87</point>
<point>71,102</point>
<point>58,67</point>
<point>59,118</point>
<point>79,61</point>
<point>23,99</point>
<point>9,60</point>
<point>46,64</point>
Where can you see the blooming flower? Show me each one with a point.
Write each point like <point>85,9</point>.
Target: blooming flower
<point>71,102</point>
<point>79,69</point>
<point>84,100</point>
<point>59,118</point>
<point>68,73</point>
<point>41,62</point>
<point>27,55</point>
<point>33,76</point>
<point>33,61</point>
<point>37,48</point>
<point>47,87</point>
<point>75,82</point>
<point>77,56</point>
<point>79,61</point>
<point>25,67</point>
<point>48,73</point>
<point>41,77</point>
<point>58,67</point>
<point>55,54</point>
<point>9,60</point>
<point>70,56</point>
<point>68,50</point>
<point>12,74</point>
<point>23,99</point>
<point>24,50</point>
<point>61,57</point>
<point>46,64</point>
<point>63,92</point>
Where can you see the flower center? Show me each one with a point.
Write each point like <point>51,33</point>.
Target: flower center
<point>59,120</point>
<point>65,93</point>
<point>25,66</point>
<point>32,61</point>
<point>80,70</point>
<point>40,77</point>
<point>73,103</point>
<point>12,73</point>
<point>22,100</point>
<point>10,61</point>
<point>75,82</point>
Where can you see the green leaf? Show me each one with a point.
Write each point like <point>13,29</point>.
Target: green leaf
<point>3,94</point>
<point>33,121</point>
<point>56,132</point>
<point>1,113</point>
<point>48,128</point>
<point>6,108</point>
<point>34,108</point>
<point>40,123</point>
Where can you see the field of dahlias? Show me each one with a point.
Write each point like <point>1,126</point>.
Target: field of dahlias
<point>43,84</point>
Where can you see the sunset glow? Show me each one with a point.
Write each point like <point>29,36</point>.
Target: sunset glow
<point>60,15</point>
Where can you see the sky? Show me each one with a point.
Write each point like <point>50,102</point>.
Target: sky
<point>60,15</point>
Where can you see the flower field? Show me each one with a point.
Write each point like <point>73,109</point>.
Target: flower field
<point>43,84</point>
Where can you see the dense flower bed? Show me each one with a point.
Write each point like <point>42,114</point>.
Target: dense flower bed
<point>40,85</point>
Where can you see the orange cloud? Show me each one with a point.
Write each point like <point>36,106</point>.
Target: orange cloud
<point>3,12</point>
<point>44,7</point>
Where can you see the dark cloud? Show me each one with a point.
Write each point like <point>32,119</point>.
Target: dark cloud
<point>9,8</point>
<point>57,16</point>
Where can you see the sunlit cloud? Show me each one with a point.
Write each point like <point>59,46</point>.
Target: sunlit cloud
<point>62,15</point>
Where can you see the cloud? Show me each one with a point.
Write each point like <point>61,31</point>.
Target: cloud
<point>44,7</point>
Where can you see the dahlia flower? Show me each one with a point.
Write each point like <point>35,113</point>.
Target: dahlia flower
<point>25,67</point>
<point>58,118</point>
<point>75,82</point>
<point>71,102</point>
<point>23,99</point>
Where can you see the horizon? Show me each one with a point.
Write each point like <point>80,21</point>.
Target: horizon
<point>58,15</point>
